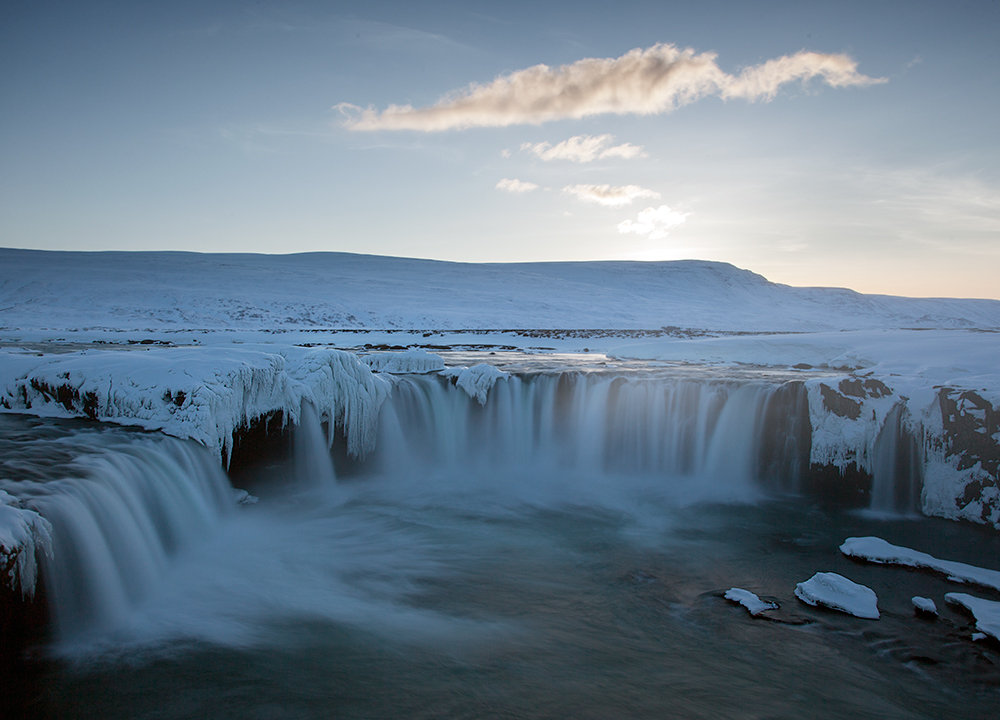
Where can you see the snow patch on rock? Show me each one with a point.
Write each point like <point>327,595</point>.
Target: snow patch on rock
<point>754,605</point>
<point>986,612</point>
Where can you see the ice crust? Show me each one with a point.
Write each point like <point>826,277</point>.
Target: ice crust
<point>837,592</point>
<point>986,612</point>
<point>876,550</point>
<point>754,605</point>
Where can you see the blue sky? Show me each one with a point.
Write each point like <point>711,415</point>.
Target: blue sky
<point>838,144</point>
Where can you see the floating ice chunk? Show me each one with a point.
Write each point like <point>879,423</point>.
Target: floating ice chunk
<point>478,380</point>
<point>409,362</point>
<point>986,612</point>
<point>837,592</point>
<point>753,604</point>
<point>877,550</point>
<point>925,605</point>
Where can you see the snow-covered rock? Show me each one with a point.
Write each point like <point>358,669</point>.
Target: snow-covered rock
<point>837,592</point>
<point>924,605</point>
<point>753,604</point>
<point>408,362</point>
<point>986,612</point>
<point>876,550</point>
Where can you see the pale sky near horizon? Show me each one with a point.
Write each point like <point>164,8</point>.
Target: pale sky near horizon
<point>849,144</point>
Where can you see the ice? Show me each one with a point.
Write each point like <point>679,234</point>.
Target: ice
<point>753,604</point>
<point>986,612</point>
<point>837,592</point>
<point>478,380</point>
<point>22,533</point>
<point>924,605</point>
<point>876,550</point>
<point>408,362</point>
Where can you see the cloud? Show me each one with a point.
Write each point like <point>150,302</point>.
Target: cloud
<point>654,222</point>
<point>516,186</point>
<point>608,195</point>
<point>656,80</point>
<point>584,148</point>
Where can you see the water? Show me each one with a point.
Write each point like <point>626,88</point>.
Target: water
<point>537,558</point>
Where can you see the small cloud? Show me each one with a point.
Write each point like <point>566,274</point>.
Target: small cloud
<point>516,186</point>
<point>505,153</point>
<point>654,222</point>
<point>609,195</point>
<point>650,81</point>
<point>584,148</point>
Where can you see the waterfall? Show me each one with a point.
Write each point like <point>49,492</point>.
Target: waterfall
<point>313,465</point>
<point>897,466</point>
<point>728,434</point>
<point>117,519</point>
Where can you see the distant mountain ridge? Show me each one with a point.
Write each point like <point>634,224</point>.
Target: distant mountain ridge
<point>165,290</point>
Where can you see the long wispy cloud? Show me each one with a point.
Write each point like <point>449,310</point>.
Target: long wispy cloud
<point>584,149</point>
<point>647,81</point>
<point>654,222</point>
<point>518,187</point>
<point>609,195</point>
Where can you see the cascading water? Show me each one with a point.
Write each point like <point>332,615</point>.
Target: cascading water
<point>897,466</point>
<point>725,434</point>
<point>119,510</point>
<point>312,460</point>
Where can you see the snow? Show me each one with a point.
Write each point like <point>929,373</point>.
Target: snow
<point>753,604</point>
<point>408,362</point>
<point>132,291</point>
<point>22,533</point>
<point>837,592</point>
<point>986,612</point>
<point>924,605</point>
<point>876,550</point>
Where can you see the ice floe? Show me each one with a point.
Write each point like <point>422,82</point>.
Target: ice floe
<point>837,592</point>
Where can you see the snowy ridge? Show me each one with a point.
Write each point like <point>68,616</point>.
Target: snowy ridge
<point>169,290</point>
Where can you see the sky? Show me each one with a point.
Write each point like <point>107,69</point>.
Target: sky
<point>846,144</point>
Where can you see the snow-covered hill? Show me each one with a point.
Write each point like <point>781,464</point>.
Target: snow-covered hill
<point>168,290</point>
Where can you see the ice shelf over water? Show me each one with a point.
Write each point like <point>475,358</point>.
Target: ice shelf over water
<point>986,612</point>
<point>837,592</point>
<point>876,550</point>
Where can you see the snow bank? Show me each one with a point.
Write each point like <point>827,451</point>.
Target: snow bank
<point>753,604</point>
<point>876,550</point>
<point>478,380</point>
<point>408,362</point>
<point>22,534</point>
<point>837,592</point>
<point>986,612</point>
